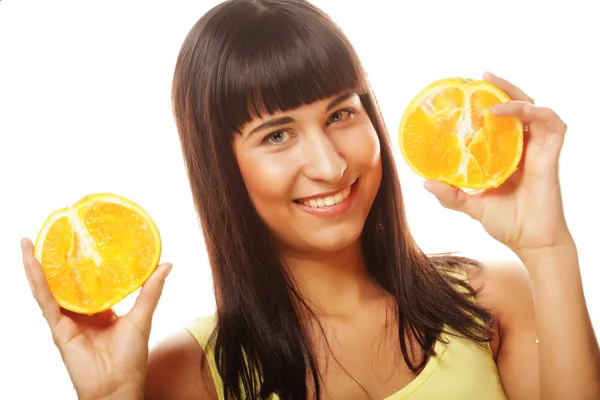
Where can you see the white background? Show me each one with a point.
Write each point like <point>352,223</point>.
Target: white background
<point>85,107</point>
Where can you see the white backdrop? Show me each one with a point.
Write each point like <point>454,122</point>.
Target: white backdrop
<point>85,107</point>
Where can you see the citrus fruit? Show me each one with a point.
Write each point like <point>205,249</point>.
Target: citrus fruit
<point>97,252</point>
<point>448,133</point>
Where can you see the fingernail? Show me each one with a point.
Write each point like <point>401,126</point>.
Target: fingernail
<point>428,185</point>
<point>489,74</point>
<point>23,245</point>
<point>496,107</point>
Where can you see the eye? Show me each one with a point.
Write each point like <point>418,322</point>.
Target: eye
<point>339,116</point>
<point>276,137</point>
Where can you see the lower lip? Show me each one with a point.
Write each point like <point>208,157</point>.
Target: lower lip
<point>334,210</point>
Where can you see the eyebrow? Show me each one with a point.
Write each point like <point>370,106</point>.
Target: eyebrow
<point>288,120</point>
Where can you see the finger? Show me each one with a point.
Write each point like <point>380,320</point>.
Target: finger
<point>26,266</point>
<point>511,90</point>
<point>515,108</point>
<point>145,304</point>
<point>99,319</point>
<point>39,285</point>
<point>547,116</point>
<point>455,199</point>
<point>529,113</point>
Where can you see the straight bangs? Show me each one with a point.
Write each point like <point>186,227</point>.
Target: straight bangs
<point>267,69</point>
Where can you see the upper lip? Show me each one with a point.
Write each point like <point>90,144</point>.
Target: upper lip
<point>325,194</point>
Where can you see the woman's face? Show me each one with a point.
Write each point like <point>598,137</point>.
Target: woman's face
<point>312,173</point>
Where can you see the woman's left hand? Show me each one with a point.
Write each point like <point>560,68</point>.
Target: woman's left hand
<point>525,212</point>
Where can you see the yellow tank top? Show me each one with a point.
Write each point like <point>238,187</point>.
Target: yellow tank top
<point>461,370</point>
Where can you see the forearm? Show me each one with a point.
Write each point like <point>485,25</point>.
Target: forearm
<point>569,356</point>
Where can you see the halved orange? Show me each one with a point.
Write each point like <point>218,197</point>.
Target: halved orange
<point>448,133</point>
<point>97,252</point>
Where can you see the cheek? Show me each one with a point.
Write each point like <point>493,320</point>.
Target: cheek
<point>361,147</point>
<point>267,182</point>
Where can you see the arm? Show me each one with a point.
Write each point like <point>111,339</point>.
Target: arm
<point>506,292</point>
<point>545,304</point>
<point>569,356</point>
<point>174,371</point>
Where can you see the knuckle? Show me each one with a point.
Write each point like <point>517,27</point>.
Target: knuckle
<point>55,336</point>
<point>55,339</point>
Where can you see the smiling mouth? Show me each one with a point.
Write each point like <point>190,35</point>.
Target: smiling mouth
<point>328,201</point>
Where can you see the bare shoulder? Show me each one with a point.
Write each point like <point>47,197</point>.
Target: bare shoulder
<point>177,369</point>
<point>503,286</point>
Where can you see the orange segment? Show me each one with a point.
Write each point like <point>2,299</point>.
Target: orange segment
<point>97,252</point>
<point>447,133</point>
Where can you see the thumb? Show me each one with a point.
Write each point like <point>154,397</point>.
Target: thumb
<point>145,304</point>
<point>454,198</point>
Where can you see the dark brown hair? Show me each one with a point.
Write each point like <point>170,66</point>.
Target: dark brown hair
<point>249,57</point>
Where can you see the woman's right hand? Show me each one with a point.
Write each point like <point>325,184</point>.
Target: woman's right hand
<point>105,354</point>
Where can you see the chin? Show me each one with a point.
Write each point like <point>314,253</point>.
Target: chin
<point>334,240</point>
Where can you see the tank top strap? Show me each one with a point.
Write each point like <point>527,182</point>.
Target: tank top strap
<point>201,329</point>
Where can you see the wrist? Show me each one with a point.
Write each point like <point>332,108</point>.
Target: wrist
<point>562,240</point>
<point>534,259</point>
<point>125,392</point>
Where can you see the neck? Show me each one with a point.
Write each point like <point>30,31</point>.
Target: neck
<point>334,284</point>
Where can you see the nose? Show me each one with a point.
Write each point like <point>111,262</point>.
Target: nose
<point>323,160</point>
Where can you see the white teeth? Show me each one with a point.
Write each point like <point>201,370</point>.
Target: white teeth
<point>329,200</point>
<point>338,198</point>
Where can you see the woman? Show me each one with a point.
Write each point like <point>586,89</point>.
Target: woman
<point>321,291</point>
